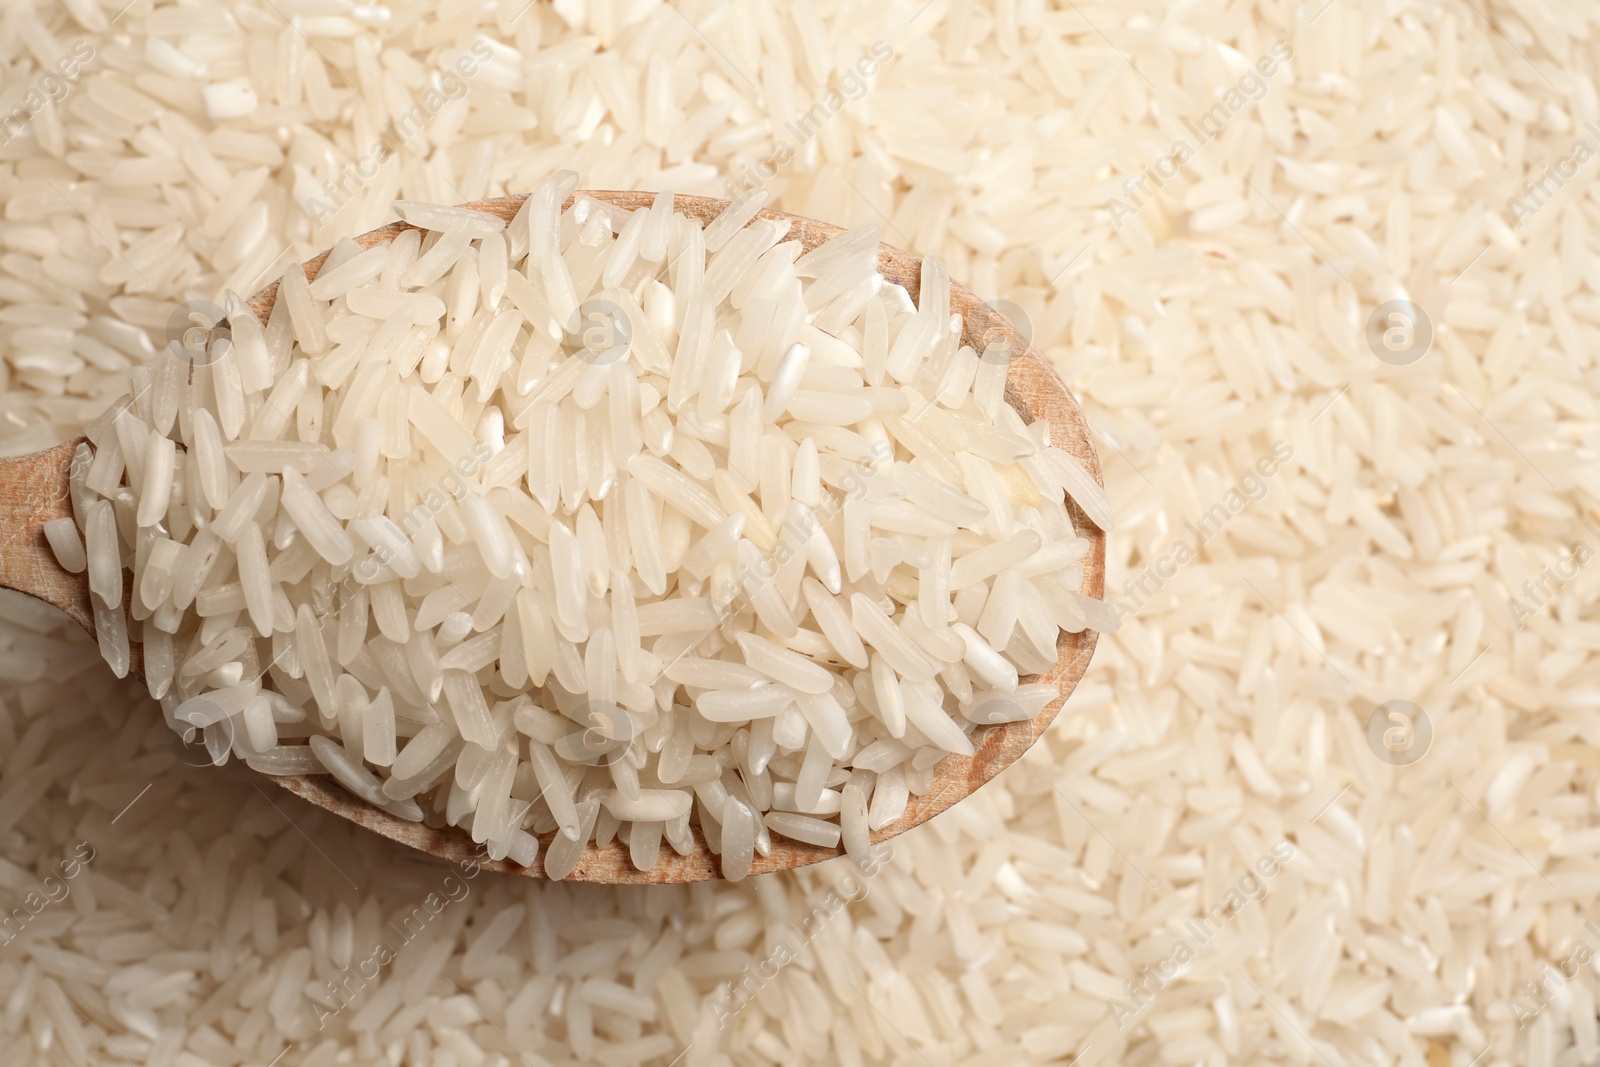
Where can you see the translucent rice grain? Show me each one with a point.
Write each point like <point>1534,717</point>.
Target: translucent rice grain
<point>803,828</point>
<point>554,789</point>
<point>313,656</point>
<point>160,463</point>
<point>828,722</point>
<point>786,382</point>
<point>439,217</point>
<point>911,348</point>
<point>421,308</point>
<point>831,409</point>
<point>162,560</point>
<point>359,780</point>
<point>888,799</point>
<point>279,406</point>
<point>994,710</point>
<point>958,379</point>
<point>989,379</point>
<point>489,533</point>
<point>566,558</point>
<point>562,857</point>
<point>876,629</point>
<point>311,459</point>
<point>789,728</point>
<point>733,218</point>
<point>1077,483</point>
<point>654,805</point>
<point>436,424</point>
<point>677,489</point>
<point>203,554</point>
<point>286,760</point>
<point>985,662</point>
<point>211,462</point>
<point>994,558</point>
<point>314,519</point>
<point>713,673</point>
<point>624,251</point>
<point>249,347</point>
<point>353,272</point>
<point>739,705</point>
<point>593,551</point>
<point>857,538</point>
<point>66,544</point>
<point>653,235</point>
<point>783,666</point>
<point>378,730</point>
<point>259,725</point>
<point>644,846</point>
<point>924,712</point>
<point>738,839</point>
<point>933,587</point>
<point>835,624</point>
<point>492,269</point>
<point>465,697</point>
<point>227,388</point>
<point>813,776</point>
<point>242,506</point>
<point>106,467</point>
<point>644,536</point>
<point>714,546</point>
<point>761,592</point>
<point>437,261</point>
<point>853,831</point>
<point>718,377</point>
<point>104,554</point>
<point>890,698</point>
<point>923,488</point>
<point>305,312</point>
<point>251,552</point>
<point>111,634</point>
<point>159,665</point>
<point>999,617</point>
<point>426,746</point>
<point>543,254</point>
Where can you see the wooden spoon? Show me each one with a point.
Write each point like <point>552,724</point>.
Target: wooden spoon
<point>33,490</point>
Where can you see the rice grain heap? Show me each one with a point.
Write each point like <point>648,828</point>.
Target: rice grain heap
<point>597,522</point>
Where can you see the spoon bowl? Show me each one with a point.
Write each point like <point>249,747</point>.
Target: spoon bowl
<point>33,491</point>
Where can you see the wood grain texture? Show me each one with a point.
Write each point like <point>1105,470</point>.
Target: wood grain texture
<point>1032,388</point>
<point>33,491</point>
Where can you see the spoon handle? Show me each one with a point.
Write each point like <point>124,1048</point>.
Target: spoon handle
<point>33,490</point>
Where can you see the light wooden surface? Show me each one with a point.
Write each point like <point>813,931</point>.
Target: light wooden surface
<point>33,490</point>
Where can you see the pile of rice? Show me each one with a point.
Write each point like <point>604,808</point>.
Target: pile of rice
<point>1219,854</point>
<point>489,571</point>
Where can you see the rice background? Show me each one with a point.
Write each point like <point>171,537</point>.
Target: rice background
<point>1328,796</point>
